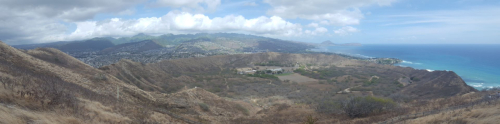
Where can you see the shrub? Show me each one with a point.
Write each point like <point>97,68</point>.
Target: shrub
<point>204,107</point>
<point>310,120</point>
<point>328,106</point>
<point>100,77</point>
<point>400,97</point>
<point>363,106</point>
<point>263,76</point>
<point>215,90</point>
<point>361,89</point>
<point>242,109</point>
<point>414,79</point>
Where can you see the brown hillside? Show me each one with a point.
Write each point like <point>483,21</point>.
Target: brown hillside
<point>48,86</point>
<point>175,73</point>
<point>164,75</point>
<point>437,84</point>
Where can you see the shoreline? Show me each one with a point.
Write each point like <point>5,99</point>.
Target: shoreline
<point>475,85</point>
<point>384,61</point>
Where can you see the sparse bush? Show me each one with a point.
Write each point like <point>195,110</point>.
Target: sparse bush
<point>400,98</point>
<point>204,107</point>
<point>6,82</point>
<point>242,109</point>
<point>459,121</point>
<point>363,106</point>
<point>263,76</point>
<point>310,120</point>
<point>328,106</point>
<point>57,60</point>
<point>361,89</point>
<point>215,90</point>
<point>100,76</point>
<point>414,79</point>
<point>282,107</point>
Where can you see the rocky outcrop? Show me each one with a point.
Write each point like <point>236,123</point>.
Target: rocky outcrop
<point>436,84</point>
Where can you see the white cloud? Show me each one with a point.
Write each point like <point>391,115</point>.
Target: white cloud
<point>314,25</point>
<point>333,12</point>
<point>251,4</point>
<point>346,30</point>
<point>317,31</point>
<point>75,10</point>
<point>189,5</point>
<point>28,21</point>
<point>184,22</point>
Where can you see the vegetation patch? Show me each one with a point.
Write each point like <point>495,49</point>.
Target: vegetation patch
<point>320,73</point>
<point>242,109</point>
<point>364,106</point>
<point>360,89</point>
<point>263,76</point>
<point>283,74</point>
<point>204,107</point>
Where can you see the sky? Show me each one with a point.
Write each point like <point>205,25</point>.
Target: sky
<point>313,21</point>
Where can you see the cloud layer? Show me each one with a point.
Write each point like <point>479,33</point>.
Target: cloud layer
<point>35,21</point>
<point>189,5</point>
<point>330,12</point>
<point>31,21</point>
<point>27,21</point>
<point>184,22</point>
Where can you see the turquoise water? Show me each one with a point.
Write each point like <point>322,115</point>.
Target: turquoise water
<point>478,65</point>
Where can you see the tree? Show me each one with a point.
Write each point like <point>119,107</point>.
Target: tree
<point>363,106</point>
<point>310,120</point>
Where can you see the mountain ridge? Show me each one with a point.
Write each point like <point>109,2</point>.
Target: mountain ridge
<point>198,89</point>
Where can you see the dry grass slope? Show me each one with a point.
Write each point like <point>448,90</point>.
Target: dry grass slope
<point>47,86</point>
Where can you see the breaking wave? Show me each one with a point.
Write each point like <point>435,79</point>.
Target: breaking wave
<point>408,62</point>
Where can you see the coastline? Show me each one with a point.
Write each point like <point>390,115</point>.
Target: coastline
<point>480,75</point>
<point>384,61</point>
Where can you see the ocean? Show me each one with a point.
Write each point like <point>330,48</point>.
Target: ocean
<point>478,65</point>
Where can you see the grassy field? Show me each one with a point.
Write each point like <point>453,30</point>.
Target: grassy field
<point>284,74</point>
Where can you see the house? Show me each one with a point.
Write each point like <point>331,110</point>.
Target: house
<point>250,72</point>
<point>275,71</point>
<point>246,71</point>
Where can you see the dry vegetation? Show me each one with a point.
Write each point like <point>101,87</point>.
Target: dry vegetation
<point>48,86</point>
<point>37,88</point>
<point>486,112</point>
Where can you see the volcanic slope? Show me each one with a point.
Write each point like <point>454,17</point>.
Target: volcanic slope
<point>167,75</point>
<point>268,98</point>
<point>45,85</point>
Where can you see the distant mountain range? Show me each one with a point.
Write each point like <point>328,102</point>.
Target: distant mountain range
<point>146,48</point>
<point>221,42</point>
<point>95,44</point>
